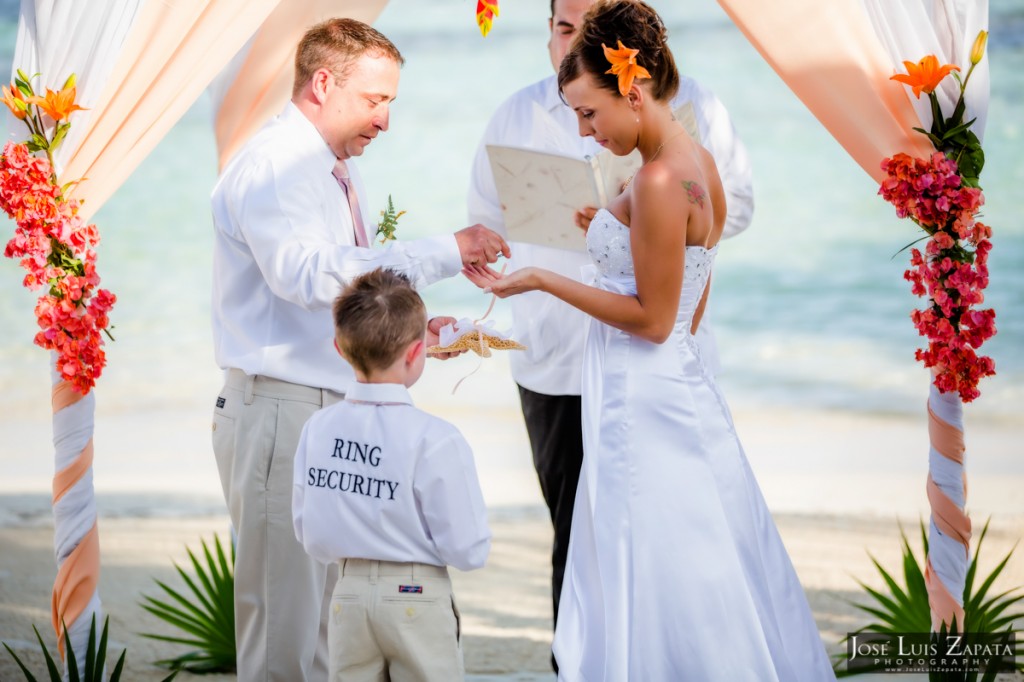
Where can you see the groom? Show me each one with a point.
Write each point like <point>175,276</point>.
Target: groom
<point>290,233</point>
<point>549,372</point>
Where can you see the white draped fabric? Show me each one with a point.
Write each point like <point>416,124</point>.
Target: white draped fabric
<point>80,37</point>
<point>911,29</point>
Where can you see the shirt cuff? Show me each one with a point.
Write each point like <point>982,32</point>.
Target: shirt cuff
<point>439,256</point>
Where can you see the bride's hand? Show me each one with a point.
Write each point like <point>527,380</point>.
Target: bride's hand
<point>502,286</point>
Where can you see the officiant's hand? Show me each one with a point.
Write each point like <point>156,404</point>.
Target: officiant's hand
<point>479,245</point>
<point>584,216</point>
<point>503,286</point>
<point>434,336</point>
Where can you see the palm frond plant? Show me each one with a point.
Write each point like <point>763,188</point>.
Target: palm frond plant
<point>95,659</point>
<point>905,609</point>
<point>205,614</point>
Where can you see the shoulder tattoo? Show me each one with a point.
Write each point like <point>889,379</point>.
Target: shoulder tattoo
<point>694,192</point>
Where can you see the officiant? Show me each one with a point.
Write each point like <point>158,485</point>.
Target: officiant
<point>548,373</point>
<point>291,229</point>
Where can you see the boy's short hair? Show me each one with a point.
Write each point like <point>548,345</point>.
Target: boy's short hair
<point>376,317</point>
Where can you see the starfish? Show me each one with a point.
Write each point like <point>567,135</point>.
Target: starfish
<point>479,342</point>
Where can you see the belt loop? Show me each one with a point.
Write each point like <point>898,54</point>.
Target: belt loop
<point>341,566</point>
<point>412,572</point>
<point>374,572</point>
<point>250,382</point>
<point>323,397</point>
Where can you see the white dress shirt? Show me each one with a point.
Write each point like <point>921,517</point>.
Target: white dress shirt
<point>284,248</point>
<point>376,478</point>
<point>554,331</point>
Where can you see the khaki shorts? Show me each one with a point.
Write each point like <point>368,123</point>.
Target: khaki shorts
<point>393,621</point>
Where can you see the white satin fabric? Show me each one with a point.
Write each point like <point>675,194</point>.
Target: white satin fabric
<point>676,570</point>
<point>911,29</point>
<point>56,39</point>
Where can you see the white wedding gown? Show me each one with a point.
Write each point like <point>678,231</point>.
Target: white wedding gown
<point>676,571</point>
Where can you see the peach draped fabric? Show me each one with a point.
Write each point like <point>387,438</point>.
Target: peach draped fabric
<point>257,84</point>
<point>830,57</point>
<point>172,51</point>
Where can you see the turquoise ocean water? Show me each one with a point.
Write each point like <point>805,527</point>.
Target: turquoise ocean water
<point>810,307</point>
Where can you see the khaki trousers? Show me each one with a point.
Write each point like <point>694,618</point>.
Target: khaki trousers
<point>394,622</point>
<point>281,593</point>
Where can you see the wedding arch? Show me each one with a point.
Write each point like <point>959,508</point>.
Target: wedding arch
<point>140,65</point>
<point>839,60</point>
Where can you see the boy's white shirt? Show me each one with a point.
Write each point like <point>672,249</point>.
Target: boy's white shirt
<point>377,478</point>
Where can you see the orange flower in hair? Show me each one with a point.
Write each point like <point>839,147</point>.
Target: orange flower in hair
<point>623,61</point>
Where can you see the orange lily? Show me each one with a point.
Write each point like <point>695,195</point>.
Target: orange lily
<point>15,101</point>
<point>57,105</point>
<point>486,10</point>
<point>925,75</point>
<point>623,61</point>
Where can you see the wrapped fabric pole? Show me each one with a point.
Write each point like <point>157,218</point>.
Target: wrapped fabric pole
<point>949,533</point>
<point>76,537</point>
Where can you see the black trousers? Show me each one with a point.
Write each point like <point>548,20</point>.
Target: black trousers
<point>554,424</point>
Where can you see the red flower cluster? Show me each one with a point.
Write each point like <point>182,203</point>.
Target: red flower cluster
<point>952,272</point>
<point>56,247</point>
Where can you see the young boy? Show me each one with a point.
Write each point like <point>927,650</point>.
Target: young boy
<point>391,494</point>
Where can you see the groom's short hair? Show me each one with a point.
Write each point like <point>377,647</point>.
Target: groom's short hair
<point>376,317</point>
<point>335,44</point>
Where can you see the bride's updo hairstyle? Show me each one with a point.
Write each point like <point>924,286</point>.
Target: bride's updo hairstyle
<point>639,27</point>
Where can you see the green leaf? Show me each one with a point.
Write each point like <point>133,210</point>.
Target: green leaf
<point>118,667</point>
<point>908,246</point>
<point>203,614</point>
<point>962,128</point>
<point>58,137</point>
<point>25,87</point>
<point>937,120</point>
<point>51,667</point>
<point>101,651</point>
<point>90,653</point>
<point>958,111</point>
<point>936,140</point>
<point>70,657</point>
<point>897,592</point>
<point>991,614</point>
<point>29,677</point>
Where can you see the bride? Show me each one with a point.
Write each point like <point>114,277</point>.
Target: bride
<point>676,570</point>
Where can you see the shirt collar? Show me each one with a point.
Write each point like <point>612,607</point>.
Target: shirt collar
<point>379,393</point>
<point>307,138</point>
<point>552,100</point>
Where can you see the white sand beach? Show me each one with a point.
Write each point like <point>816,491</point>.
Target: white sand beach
<point>839,483</point>
<point>505,606</point>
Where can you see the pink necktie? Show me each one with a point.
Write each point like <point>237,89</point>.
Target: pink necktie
<point>341,174</point>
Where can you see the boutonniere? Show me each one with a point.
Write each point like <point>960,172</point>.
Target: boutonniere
<point>388,222</point>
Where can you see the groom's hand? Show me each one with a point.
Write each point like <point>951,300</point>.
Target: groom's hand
<point>479,245</point>
<point>433,336</point>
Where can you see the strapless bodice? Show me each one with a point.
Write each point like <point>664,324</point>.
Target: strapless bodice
<point>609,247</point>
